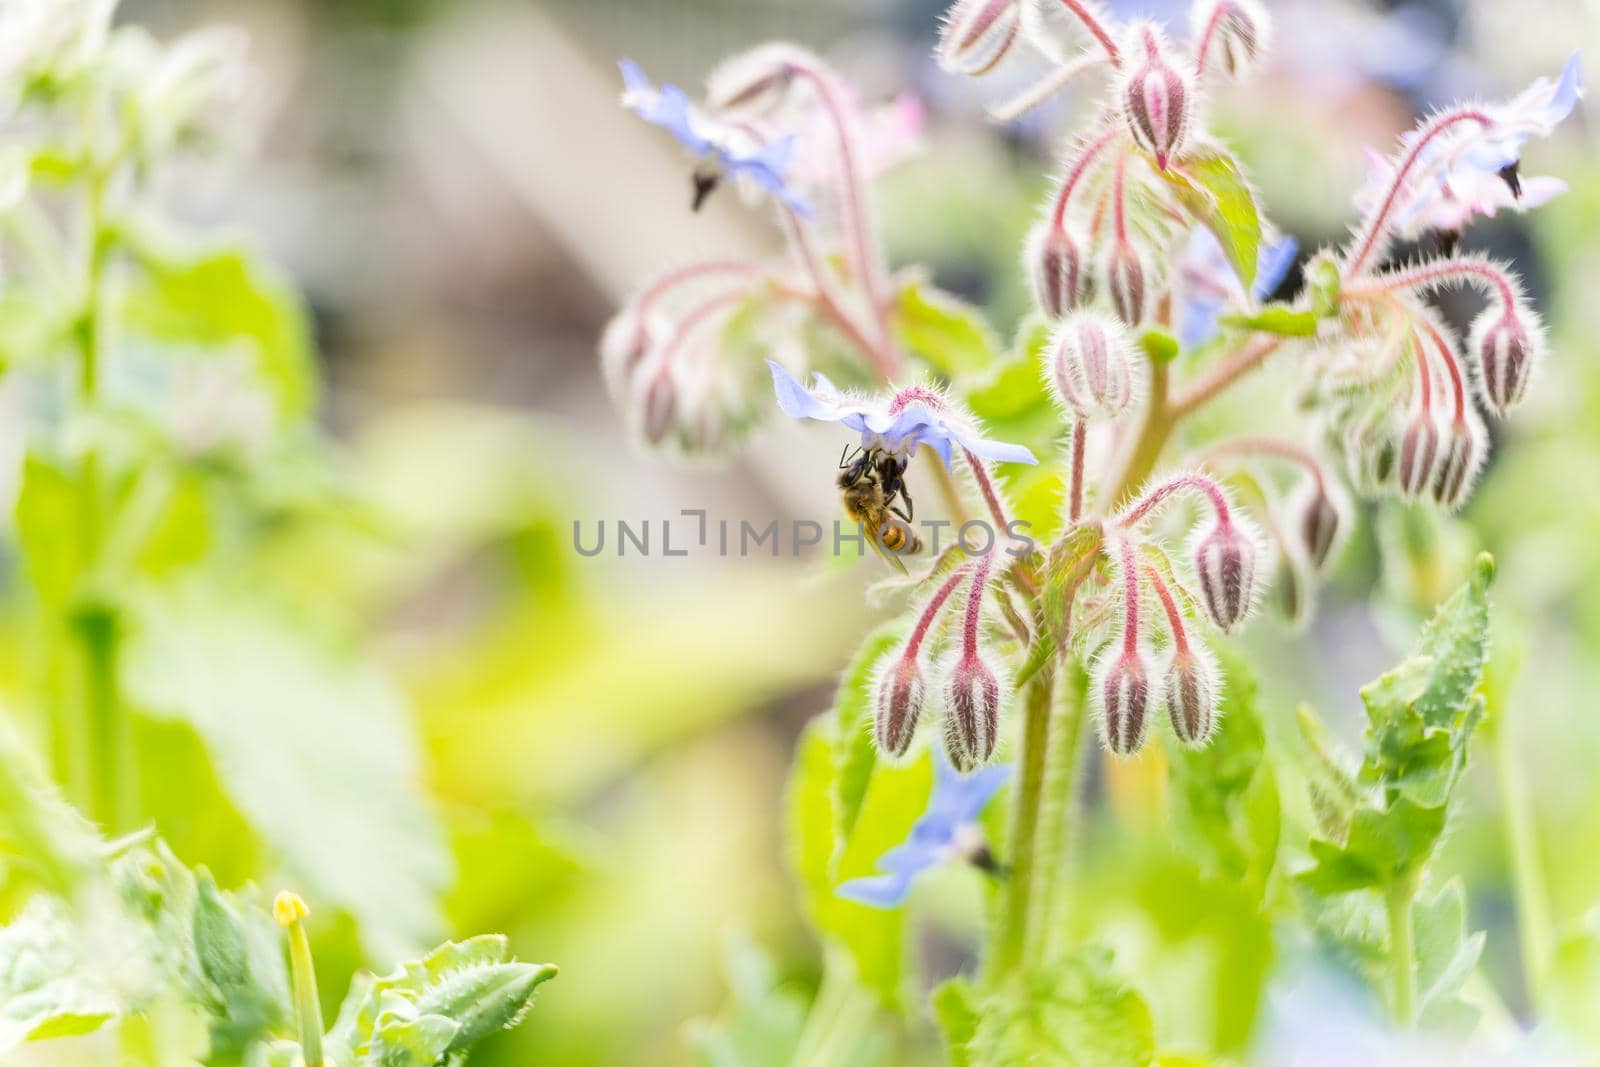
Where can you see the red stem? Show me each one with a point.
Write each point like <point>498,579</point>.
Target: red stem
<point>1270,446</point>
<point>1130,587</point>
<point>931,612</point>
<point>1207,34</point>
<point>1120,199</point>
<point>1160,493</point>
<point>1094,26</point>
<point>1458,385</point>
<point>1378,223</point>
<point>1180,639</point>
<point>991,497</point>
<point>1443,271</point>
<point>1080,437</point>
<point>1079,168</point>
<point>696,317</point>
<point>974,619</point>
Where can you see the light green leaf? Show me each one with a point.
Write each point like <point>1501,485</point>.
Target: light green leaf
<point>948,334</point>
<point>315,748</point>
<point>1277,319</point>
<point>1077,1014</point>
<point>762,1026</point>
<point>222,297</point>
<point>955,1010</point>
<point>1446,957</point>
<point>1213,188</point>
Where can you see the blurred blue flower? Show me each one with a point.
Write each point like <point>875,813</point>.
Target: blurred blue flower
<point>1473,171</point>
<point>949,824</point>
<point>1209,282</point>
<point>897,424</point>
<point>730,150</point>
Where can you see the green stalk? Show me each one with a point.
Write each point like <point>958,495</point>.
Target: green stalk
<point>1402,957</point>
<point>1064,759</point>
<point>1013,933</point>
<point>1531,898</point>
<point>839,1017</point>
<point>290,912</point>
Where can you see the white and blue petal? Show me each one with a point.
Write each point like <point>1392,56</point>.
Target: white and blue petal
<point>953,809</point>
<point>899,429</point>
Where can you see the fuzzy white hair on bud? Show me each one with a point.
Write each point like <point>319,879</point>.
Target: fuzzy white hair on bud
<point>899,695</point>
<point>974,692</point>
<point>755,82</point>
<point>1418,459</point>
<point>1126,278</point>
<point>1053,260</point>
<point>1192,681</point>
<point>1156,95</point>
<point>1119,690</point>
<point>1318,513</point>
<point>1507,345</point>
<point>1461,456</point>
<point>977,34</point>
<point>1230,35</point>
<point>1091,366</point>
<point>626,346</point>
<point>1225,555</point>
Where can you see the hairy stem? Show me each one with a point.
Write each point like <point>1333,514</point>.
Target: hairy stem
<point>1011,940</point>
<point>1063,764</point>
<point>1402,957</point>
<point>1531,899</point>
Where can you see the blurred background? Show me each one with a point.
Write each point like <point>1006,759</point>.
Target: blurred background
<point>455,188</point>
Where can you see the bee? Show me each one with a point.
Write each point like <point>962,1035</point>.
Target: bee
<point>871,482</point>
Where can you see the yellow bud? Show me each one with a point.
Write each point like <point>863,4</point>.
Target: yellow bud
<point>289,909</point>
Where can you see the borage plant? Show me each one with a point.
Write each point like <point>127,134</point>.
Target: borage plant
<point>1108,568</point>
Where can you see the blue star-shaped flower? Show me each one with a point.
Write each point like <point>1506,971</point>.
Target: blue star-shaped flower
<point>937,835</point>
<point>1210,282</point>
<point>895,424</point>
<point>731,152</point>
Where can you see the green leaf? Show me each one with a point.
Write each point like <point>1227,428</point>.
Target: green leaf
<point>762,1025</point>
<point>443,1004</point>
<point>948,334</point>
<point>1224,797</point>
<point>1278,319</point>
<point>1212,187</point>
<point>955,1010</point>
<point>1421,718</point>
<point>241,960</point>
<point>1446,957</point>
<point>1077,1014</point>
<point>223,297</point>
<point>313,747</point>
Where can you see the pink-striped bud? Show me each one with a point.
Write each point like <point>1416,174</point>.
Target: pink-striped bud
<point>1460,456</point>
<point>1417,461</point>
<point>1372,447</point>
<point>655,404</point>
<point>1157,96</point>
<point>754,82</point>
<point>1055,267</point>
<point>1508,342</point>
<point>977,34</point>
<point>900,695</point>
<point>1224,558</point>
<point>1318,515</point>
<point>1092,365</point>
<point>972,694</point>
<point>1191,694</point>
<point>1121,688</point>
<point>1125,281</point>
<point>1232,32</point>
<point>628,339</point>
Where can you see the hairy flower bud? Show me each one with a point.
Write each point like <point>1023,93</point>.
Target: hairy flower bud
<point>899,699</point>
<point>1507,342</point>
<point>1418,458</point>
<point>627,341</point>
<point>1157,96</point>
<point>1318,516</point>
<point>977,34</point>
<point>1224,557</point>
<point>1191,694</point>
<point>655,404</point>
<point>1121,688</point>
<point>972,696</point>
<point>1460,456</point>
<point>1234,34</point>
<point>1092,365</point>
<point>1055,267</point>
<point>754,82</point>
<point>1125,281</point>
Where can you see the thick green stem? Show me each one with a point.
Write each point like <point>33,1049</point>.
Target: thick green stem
<point>1531,898</point>
<point>1402,957</point>
<point>838,1019</point>
<point>1154,431</point>
<point>290,912</point>
<point>1063,760</point>
<point>1017,908</point>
